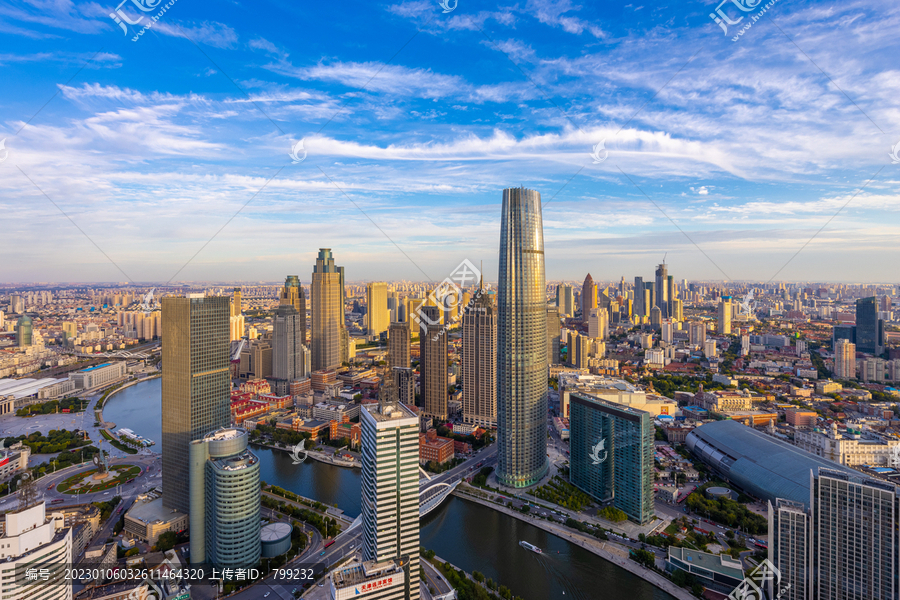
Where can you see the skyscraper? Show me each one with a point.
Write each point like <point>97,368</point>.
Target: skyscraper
<point>844,360</point>
<point>521,342</point>
<point>327,312</point>
<point>479,363</point>
<point>588,297</point>
<point>565,300</point>
<point>553,335</point>
<point>869,328</point>
<point>612,454</point>
<point>196,384</point>
<point>390,490</point>
<point>433,364</point>
<point>225,500</point>
<point>292,293</point>
<point>376,308</point>
<point>724,324</point>
<point>598,323</point>
<point>398,344</point>
<point>639,309</point>
<point>288,350</point>
<point>24,331</point>
<point>662,286</point>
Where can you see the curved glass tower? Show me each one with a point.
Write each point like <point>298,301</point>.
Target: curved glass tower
<point>521,342</point>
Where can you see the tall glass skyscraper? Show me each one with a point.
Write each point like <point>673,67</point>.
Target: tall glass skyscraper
<point>521,342</point>
<point>196,383</point>
<point>662,286</point>
<point>869,330</point>
<point>612,454</point>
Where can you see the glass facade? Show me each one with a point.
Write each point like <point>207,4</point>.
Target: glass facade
<point>521,342</point>
<point>611,449</point>
<point>196,383</point>
<point>868,330</point>
<point>326,293</point>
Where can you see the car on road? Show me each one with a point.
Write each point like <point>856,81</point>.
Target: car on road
<point>106,493</point>
<point>266,595</point>
<point>321,553</point>
<point>352,546</point>
<point>50,487</point>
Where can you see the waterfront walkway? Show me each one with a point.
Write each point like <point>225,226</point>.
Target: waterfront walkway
<point>606,550</point>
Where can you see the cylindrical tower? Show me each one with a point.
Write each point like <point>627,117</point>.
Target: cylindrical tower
<point>521,342</point>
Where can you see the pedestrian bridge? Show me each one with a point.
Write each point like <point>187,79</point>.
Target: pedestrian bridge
<point>431,496</point>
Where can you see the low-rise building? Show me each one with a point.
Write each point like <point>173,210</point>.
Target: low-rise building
<point>718,572</point>
<point>801,419</point>
<point>98,375</point>
<point>828,387</point>
<point>147,519</point>
<point>360,581</point>
<point>432,447</point>
<point>851,449</point>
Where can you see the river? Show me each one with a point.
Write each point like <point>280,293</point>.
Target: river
<point>471,536</point>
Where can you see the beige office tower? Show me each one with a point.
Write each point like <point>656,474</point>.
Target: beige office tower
<point>413,316</point>
<point>237,307</point>
<point>553,335</point>
<point>844,360</point>
<point>479,363</point>
<point>583,349</point>
<point>433,379</point>
<point>697,334</point>
<point>588,297</point>
<point>377,312</point>
<point>724,325</point>
<point>236,325</point>
<point>196,385</point>
<point>390,502</point>
<point>677,310</point>
<point>598,323</point>
<point>398,344</point>
<point>292,294</point>
<point>572,343</point>
<point>327,313</point>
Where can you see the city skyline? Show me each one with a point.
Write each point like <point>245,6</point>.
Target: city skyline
<point>749,160</point>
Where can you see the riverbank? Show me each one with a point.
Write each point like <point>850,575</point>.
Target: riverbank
<point>317,456</point>
<point>605,550</point>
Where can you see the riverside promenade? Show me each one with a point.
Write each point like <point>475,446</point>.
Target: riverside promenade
<point>605,550</point>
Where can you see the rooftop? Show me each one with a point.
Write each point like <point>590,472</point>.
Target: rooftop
<point>716,563</point>
<point>95,367</point>
<point>152,511</point>
<point>357,573</point>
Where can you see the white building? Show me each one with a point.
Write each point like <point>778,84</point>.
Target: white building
<point>850,449</point>
<point>34,540</point>
<point>390,494</point>
<point>99,375</point>
<point>369,580</point>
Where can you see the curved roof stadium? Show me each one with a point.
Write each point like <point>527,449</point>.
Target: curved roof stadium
<point>761,465</point>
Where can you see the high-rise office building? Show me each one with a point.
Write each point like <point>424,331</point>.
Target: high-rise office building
<point>390,491</point>
<point>584,347</point>
<point>656,317</point>
<point>433,365</point>
<point>844,544</point>
<point>639,288</point>
<point>521,342</point>
<point>225,500</point>
<point>565,300</point>
<point>479,363</point>
<point>677,310</point>
<point>844,360</point>
<point>553,333</point>
<point>292,294</point>
<point>697,334</point>
<point>288,350</point>
<point>377,313</point>
<point>869,328</point>
<point>326,293</point>
<point>724,323</point>
<point>598,324</point>
<point>398,344</point>
<point>662,286</point>
<point>24,331</point>
<point>612,454</point>
<point>237,307</point>
<point>671,293</point>
<point>196,384</point>
<point>588,297</point>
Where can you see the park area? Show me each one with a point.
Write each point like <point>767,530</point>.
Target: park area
<point>84,483</point>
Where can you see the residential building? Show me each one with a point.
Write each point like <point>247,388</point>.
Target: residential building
<point>612,454</point>
<point>565,300</point>
<point>553,335</point>
<point>724,323</point>
<point>844,360</point>
<point>522,342</point>
<point>405,382</point>
<point>479,362</point>
<point>848,448</point>
<point>433,365</point>
<point>225,500</point>
<point>377,314</point>
<point>326,293</point>
<point>398,344</point>
<point>196,385</point>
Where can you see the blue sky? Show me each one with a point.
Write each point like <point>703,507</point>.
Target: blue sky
<point>728,155</point>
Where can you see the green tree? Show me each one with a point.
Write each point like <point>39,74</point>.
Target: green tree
<point>166,541</point>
